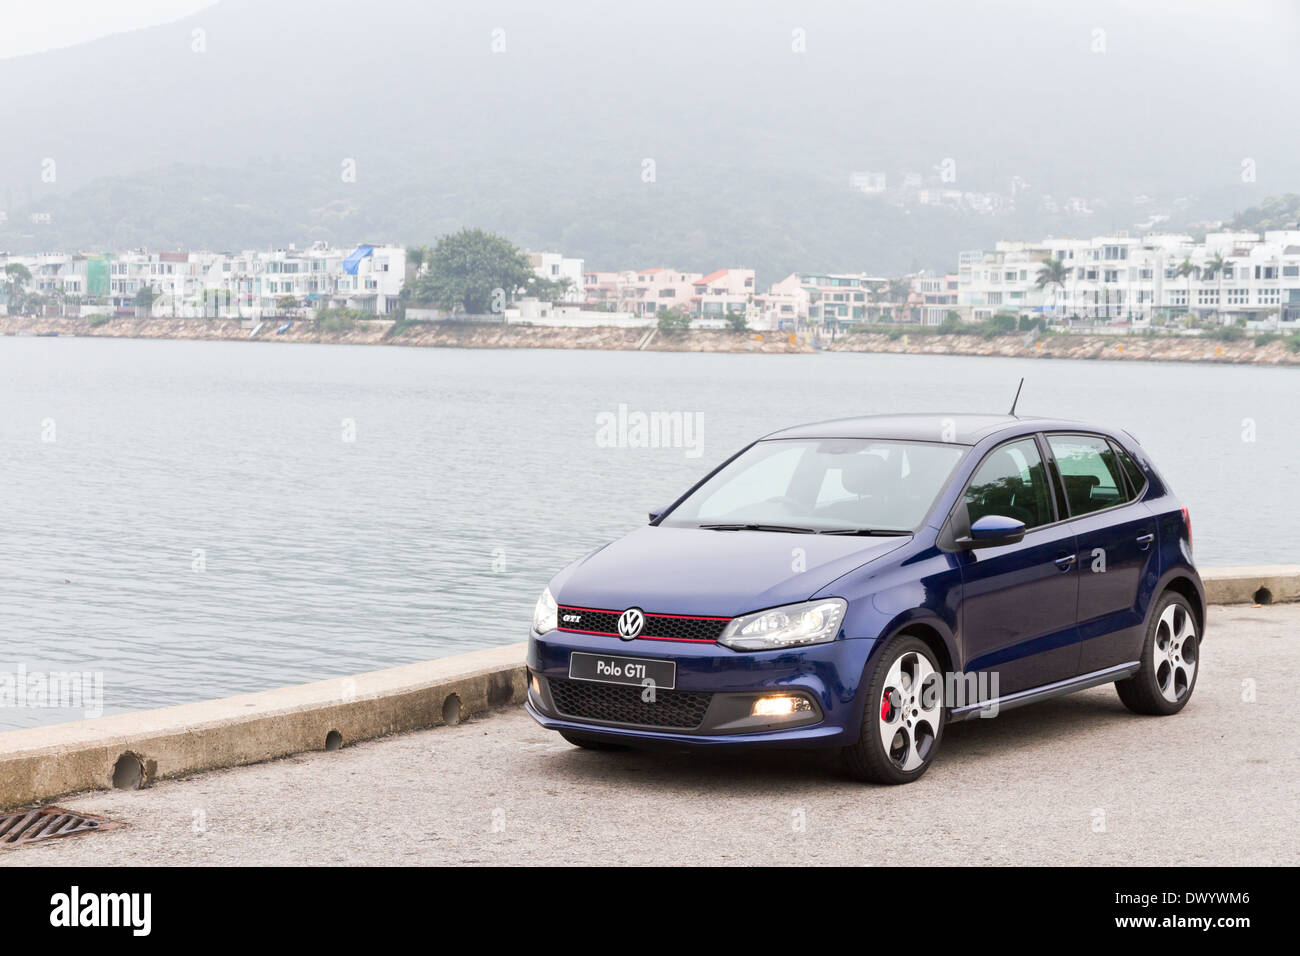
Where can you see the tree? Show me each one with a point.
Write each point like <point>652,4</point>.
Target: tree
<point>1212,269</point>
<point>58,298</point>
<point>673,320</point>
<point>548,290</point>
<point>144,299</point>
<point>1003,323</point>
<point>1052,273</point>
<point>286,303</point>
<point>474,272</point>
<point>1186,270</point>
<point>17,276</point>
<point>898,291</point>
<point>737,322</point>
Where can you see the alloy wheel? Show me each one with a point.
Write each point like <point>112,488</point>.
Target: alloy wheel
<point>1174,652</point>
<point>911,707</point>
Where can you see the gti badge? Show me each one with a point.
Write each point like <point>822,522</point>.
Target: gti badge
<point>630,623</point>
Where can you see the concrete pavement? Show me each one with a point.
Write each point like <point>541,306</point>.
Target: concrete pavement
<point>1075,780</point>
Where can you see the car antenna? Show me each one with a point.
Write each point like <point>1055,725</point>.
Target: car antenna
<point>1012,413</point>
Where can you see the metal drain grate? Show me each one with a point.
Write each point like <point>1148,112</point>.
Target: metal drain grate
<point>28,826</point>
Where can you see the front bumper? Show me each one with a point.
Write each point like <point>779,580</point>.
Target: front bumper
<point>827,675</point>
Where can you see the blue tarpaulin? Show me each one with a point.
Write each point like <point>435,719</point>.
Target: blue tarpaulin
<point>351,262</point>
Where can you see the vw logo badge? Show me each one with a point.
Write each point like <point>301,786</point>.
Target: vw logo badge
<point>630,623</point>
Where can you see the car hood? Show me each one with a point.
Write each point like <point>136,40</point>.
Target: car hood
<point>713,573</point>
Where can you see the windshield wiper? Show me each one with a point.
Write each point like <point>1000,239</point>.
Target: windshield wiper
<point>868,532</point>
<point>757,527</point>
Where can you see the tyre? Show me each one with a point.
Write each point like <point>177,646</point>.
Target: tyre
<point>589,743</point>
<point>1170,656</point>
<point>902,721</point>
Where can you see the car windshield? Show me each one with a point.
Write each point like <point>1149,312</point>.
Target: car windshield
<point>830,485</point>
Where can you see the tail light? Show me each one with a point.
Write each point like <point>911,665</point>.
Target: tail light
<point>1187,522</point>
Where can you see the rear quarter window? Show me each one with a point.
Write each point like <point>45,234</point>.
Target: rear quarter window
<point>1137,478</point>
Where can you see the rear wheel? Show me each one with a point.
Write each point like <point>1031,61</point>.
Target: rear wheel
<point>902,722</point>
<point>1170,661</point>
<point>589,743</point>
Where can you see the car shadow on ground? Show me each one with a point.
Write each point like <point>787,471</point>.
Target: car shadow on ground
<point>738,771</point>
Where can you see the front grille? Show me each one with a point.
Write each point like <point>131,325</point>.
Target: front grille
<point>658,627</point>
<point>678,709</point>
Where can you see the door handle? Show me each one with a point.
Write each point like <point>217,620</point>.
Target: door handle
<point>1065,562</point>
<point>1145,540</point>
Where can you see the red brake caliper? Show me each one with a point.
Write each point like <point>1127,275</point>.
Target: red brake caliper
<point>884,707</point>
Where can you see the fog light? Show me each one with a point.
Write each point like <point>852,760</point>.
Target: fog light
<point>780,706</point>
<point>535,686</point>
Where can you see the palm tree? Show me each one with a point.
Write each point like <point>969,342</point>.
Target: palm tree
<point>1052,272</point>
<point>898,291</point>
<point>1212,269</point>
<point>1186,270</point>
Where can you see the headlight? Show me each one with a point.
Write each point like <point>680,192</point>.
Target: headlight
<point>545,614</point>
<point>813,622</point>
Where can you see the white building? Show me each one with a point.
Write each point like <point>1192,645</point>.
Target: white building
<point>866,181</point>
<point>555,267</point>
<point>824,298</point>
<point>1119,278</point>
<point>247,284</point>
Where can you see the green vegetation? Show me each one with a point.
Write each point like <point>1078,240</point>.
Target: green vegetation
<point>339,320</point>
<point>736,322</point>
<point>100,319</point>
<point>17,276</point>
<point>1290,340</point>
<point>145,298</point>
<point>1004,323</point>
<point>1052,274</point>
<point>1226,333</point>
<point>673,320</point>
<point>1275,212</point>
<point>475,273</point>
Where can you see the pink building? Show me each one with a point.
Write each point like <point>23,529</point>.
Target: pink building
<point>600,288</point>
<point>723,291</point>
<point>649,290</point>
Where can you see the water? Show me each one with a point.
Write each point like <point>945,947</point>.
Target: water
<point>199,527</point>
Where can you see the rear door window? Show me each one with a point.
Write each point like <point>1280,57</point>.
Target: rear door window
<point>1089,471</point>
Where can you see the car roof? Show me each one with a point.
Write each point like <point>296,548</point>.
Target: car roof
<point>960,428</point>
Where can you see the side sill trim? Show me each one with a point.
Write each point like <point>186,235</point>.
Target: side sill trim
<point>1047,691</point>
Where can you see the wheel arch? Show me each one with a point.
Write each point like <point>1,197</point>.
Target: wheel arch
<point>1184,585</point>
<point>931,630</point>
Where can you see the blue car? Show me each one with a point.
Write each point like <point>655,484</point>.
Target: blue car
<point>857,584</point>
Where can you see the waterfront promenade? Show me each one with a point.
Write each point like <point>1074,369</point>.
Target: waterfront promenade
<point>1074,780</point>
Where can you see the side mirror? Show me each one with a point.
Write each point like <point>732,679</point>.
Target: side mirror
<point>992,531</point>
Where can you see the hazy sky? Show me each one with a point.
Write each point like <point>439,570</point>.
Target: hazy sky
<point>48,24</point>
<point>192,122</point>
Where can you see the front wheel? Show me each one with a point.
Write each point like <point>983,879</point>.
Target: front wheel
<point>902,722</point>
<point>1170,659</point>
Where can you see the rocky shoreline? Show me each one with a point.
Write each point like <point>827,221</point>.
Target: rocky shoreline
<point>452,335</point>
<point>421,334</point>
<point>1136,348</point>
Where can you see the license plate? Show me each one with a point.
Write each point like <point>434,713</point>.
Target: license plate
<point>633,671</point>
